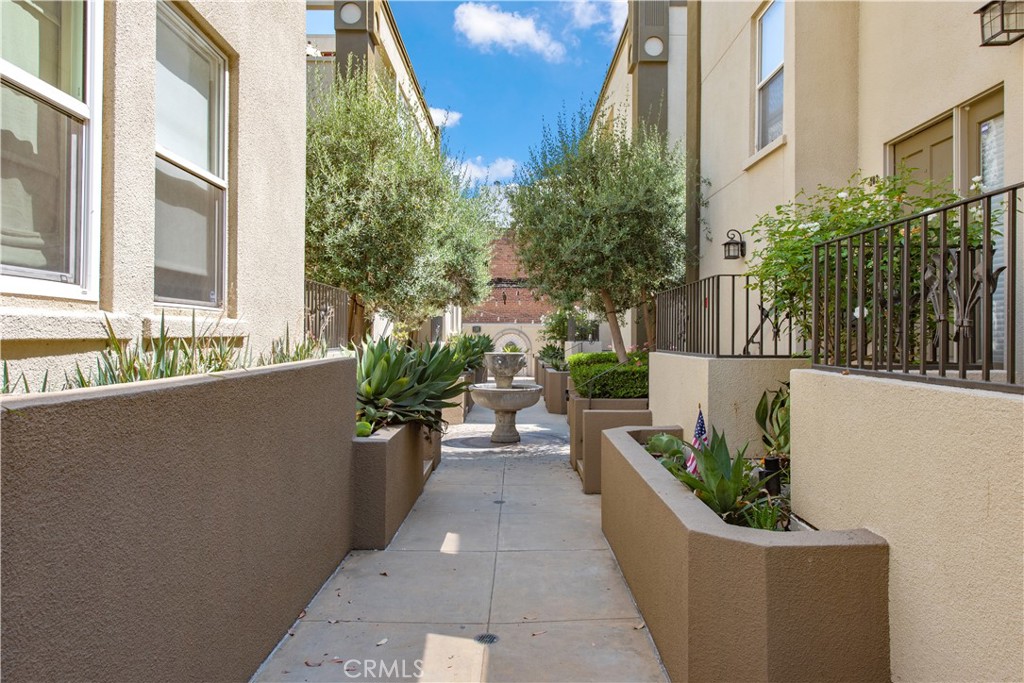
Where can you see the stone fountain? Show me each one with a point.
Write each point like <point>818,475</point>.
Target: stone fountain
<point>504,397</point>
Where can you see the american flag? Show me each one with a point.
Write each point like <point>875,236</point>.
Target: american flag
<point>700,440</point>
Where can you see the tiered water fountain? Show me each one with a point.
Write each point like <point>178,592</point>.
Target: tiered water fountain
<point>503,396</point>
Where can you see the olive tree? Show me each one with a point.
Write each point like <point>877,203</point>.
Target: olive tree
<point>387,218</point>
<point>598,217</point>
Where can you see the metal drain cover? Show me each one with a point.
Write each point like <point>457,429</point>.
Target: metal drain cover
<point>499,502</point>
<point>486,638</point>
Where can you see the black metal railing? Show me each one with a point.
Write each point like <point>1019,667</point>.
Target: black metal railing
<point>326,315</point>
<point>931,297</point>
<point>723,316</point>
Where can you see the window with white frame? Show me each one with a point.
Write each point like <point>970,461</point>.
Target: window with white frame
<point>50,100</point>
<point>771,32</point>
<point>191,164</point>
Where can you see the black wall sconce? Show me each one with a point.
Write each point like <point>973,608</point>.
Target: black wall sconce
<point>1002,22</point>
<point>735,247</point>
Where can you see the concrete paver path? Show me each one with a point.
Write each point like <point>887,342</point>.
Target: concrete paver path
<point>502,542</point>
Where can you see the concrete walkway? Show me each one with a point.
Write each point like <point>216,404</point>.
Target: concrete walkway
<point>502,546</point>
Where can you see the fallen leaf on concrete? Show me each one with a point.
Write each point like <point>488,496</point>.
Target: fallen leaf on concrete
<point>332,621</point>
<point>381,642</point>
<point>640,626</point>
<point>529,617</point>
<point>309,663</point>
<point>337,660</point>
<point>538,633</point>
<point>302,614</point>
<point>291,633</point>
<point>383,573</point>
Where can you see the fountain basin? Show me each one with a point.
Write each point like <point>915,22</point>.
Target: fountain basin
<point>505,402</point>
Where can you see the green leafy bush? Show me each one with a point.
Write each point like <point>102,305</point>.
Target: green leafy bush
<point>610,380</point>
<point>397,385</point>
<point>555,326</point>
<point>599,357</point>
<point>772,415</point>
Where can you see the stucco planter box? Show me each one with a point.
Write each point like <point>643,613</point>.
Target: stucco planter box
<point>724,602</point>
<point>577,404</point>
<point>171,529</point>
<point>456,415</point>
<point>539,367</point>
<point>594,422</point>
<point>480,375</point>
<point>555,384</point>
<point>387,476</point>
<point>430,443</point>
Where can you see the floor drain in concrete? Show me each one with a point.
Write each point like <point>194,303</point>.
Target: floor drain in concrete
<point>499,502</point>
<point>486,638</point>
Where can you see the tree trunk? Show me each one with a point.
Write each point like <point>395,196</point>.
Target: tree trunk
<point>649,312</point>
<point>356,320</point>
<point>613,323</point>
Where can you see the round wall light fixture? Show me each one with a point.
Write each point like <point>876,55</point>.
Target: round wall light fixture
<point>350,13</point>
<point>653,47</point>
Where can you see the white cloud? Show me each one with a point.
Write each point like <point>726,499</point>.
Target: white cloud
<point>476,170</point>
<point>487,26</point>
<point>586,14</point>
<point>445,118</point>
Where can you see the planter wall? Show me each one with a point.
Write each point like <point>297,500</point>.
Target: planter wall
<point>575,407</point>
<point>171,529</point>
<point>456,415</point>
<point>956,599</point>
<point>726,603</point>
<point>538,370</point>
<point>555,385</point>
<point>389,468</point>
<point>430,444</point>
<point>588,465</point>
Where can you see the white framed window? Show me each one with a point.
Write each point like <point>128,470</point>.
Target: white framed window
<point>771,31</point>
<point>50,97</point>
<point>191,164</point>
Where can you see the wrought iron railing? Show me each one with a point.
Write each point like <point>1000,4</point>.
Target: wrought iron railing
<point>932,297</point>
<point>723,316</point>
<point>326,315</point>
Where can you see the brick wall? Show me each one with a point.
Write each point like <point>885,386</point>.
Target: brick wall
<point>510,302</point>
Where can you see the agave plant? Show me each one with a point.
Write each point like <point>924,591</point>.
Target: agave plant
<point>551,354</point>
<point>471,348</point>
<point>511,347</point>
<point>396,385</point>
<point>723,483</point>
<point>772,415</point>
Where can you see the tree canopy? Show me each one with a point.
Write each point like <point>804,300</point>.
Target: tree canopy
<point>598,216</point>
<point>388,217</point>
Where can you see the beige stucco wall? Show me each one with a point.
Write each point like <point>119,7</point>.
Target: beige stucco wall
<point>726,389</point>
<point>885,69</point>
<point>528,332</point>
<point>936,471</point>
<point>171,530</point>
<point>266,177</point>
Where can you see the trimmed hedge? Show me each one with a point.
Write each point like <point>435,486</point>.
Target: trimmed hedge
<point>625,381</point>
<point>600,357</point>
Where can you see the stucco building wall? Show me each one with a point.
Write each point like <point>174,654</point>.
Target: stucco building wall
<point>263,43</point>
<point>937,472</point>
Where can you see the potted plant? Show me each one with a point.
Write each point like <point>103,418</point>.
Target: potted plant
<point>772,415</point>
<point>400,395</point>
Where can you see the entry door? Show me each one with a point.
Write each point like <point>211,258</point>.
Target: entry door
<point>929,153</point>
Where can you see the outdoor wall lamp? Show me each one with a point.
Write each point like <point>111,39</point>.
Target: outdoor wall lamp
<point>735,247</point>
<point>1002,22</point>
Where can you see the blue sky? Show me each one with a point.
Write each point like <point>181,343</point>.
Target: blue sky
<point>500,68</point>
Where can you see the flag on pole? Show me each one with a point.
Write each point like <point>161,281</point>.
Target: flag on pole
<point>700,440</point>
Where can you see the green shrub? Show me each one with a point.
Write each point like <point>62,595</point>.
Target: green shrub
<point>597,357</point>
<point>609,380</point>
